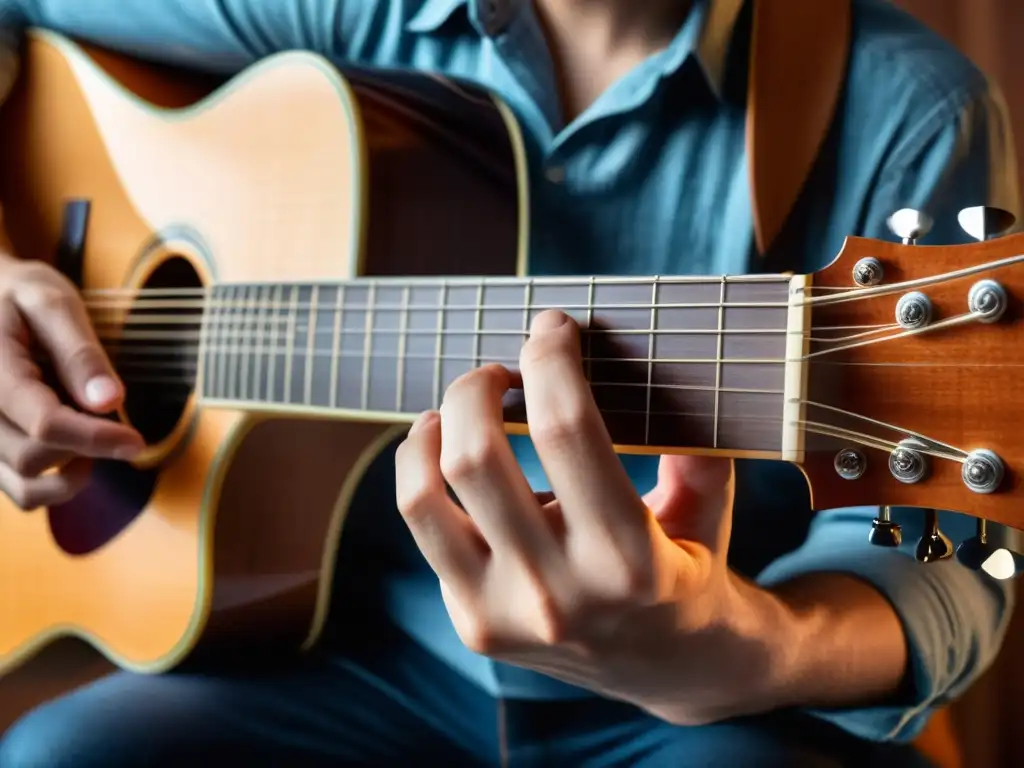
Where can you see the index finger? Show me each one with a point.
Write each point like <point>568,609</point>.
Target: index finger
<point>569,433</point>
<point>58,319</point>
<point>34,408</point>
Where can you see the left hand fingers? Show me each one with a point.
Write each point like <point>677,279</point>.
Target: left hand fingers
<point>449,541</point>
<point>570,436</point>
<point>478,462</point>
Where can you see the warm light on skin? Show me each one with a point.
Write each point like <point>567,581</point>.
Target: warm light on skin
<point>1000,565</point>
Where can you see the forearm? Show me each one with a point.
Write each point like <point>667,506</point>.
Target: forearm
<point>800,644</point>
<point>837,642</point>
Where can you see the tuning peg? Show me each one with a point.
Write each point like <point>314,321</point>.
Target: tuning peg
<point>983,222</point>
<point>910,225</point>
<point>934,544</point>
<point>994,550</point>
<point>884,532</point>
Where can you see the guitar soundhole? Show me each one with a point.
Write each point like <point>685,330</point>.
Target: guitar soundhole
<point>156,355</point>
<point>159,350</point>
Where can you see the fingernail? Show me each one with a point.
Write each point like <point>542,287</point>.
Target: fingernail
<point>101,390</point>
<point>548,320</point>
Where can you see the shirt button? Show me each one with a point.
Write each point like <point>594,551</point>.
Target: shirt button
<point>494,15</point>
<point>555,174</point>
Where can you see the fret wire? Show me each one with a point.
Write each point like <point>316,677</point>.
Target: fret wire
<point>275,333</point>
<point>234,358</point>
<point>527,299</point>
<point>260,332</point>
<point>216,334</point>
<point>311,326</point>
<point>442,297</point>
<point>248,316</point>
<point>289,355</point>
<point>718,356</point>
<point>650,360</point>
<point>402,341</point>
<point>478,324</point>
<point>339,303</point>
<point>590,325</point>
<point>368,345</point>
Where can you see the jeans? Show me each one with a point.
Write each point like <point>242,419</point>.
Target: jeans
<point>375,697</point>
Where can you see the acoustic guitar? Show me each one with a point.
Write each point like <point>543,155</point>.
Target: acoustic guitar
<point>288,266</point>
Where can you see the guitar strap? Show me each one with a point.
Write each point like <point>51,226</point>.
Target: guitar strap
<point>798,58</point>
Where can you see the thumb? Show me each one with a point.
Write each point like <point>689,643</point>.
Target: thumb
<point>693,500</point>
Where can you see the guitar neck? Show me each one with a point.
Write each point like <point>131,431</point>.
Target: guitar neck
<point>674,363</point>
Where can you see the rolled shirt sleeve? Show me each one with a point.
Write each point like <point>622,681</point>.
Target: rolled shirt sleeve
<point>954,619</point>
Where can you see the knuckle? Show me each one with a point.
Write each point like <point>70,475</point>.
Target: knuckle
<point>479,458</point>
<point>415,503</point>
<point>17,492</point>
<point>470,463</point>
<point>559,430</point>
<point>554,622</point>
<point>43,297</point>
<point>43,429</point>
<point>27,458</point>
<point>624,579</point>
<point>537,350</point>
<point>478,636</point>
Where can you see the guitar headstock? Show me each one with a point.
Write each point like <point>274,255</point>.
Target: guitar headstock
<point>916,373</point>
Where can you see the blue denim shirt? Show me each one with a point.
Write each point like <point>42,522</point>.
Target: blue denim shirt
<point>652,179</point>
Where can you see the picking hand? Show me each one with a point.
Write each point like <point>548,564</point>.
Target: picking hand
<point>627,596</point>
<point>40,309</point>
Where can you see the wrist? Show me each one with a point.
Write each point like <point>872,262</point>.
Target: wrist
<point>741,659</point>
<point>763,623</point>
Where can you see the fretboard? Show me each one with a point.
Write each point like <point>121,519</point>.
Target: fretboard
<point>671,362</point>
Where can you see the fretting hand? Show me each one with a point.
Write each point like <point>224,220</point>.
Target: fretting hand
<point>629,597</point>
<point>41,310</point>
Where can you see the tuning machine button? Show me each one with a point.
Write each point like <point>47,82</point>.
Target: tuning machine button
<point>851,464</point>
<point>908,463</point>
<point>884,532</point>
<point>868,271</point>
<point>913,310</point>
<point>985,222</point>
<point>982,471</point>
<point>934,545</point>
<point>987,300</point>
<point>994,550</point>
<point>909,225</point>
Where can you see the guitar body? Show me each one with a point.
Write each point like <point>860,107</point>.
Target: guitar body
<point>224,535</point>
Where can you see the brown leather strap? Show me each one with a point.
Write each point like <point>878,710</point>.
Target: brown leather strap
<point>798,57</point>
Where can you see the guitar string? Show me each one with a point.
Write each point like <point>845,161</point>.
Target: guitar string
<point>237,336</point>
<point>217,322</point>
<point>847,295</point>
<point>954,454</point>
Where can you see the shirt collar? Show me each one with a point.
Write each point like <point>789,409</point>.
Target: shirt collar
<point>706,35</point>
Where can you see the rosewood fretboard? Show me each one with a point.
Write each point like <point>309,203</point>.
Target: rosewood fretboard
<point>672,362</point>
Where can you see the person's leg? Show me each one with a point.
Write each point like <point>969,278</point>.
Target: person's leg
<point>603,734</point>
<point>377,699</point>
